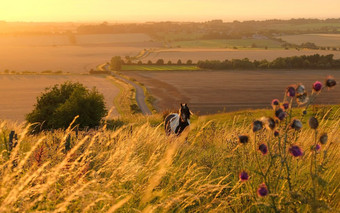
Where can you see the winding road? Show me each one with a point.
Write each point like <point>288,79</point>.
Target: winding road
<point>140,97</point>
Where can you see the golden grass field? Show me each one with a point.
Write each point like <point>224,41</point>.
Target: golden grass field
<point>323,40</point>
<point>38,53</point>
<point>196,54</point>
<point>18,93</point>
<point>209,92</point>
<point>137,168</point>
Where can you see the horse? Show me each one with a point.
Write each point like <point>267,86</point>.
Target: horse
<point>175,123</point>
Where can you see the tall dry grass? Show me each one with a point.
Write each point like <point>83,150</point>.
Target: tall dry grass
<point>137,168</point>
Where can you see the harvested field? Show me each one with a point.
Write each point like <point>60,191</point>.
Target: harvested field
<point>324,40</point>
<point>38,53</point>
<point>221,54</point>
<point>228,43</point>
<point>210,92</point>
<point>18,92</point>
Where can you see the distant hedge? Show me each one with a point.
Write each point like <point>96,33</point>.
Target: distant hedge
<point>295,62</point>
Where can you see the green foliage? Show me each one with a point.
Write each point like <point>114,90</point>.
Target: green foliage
<point>59,105</point>
<point>116,63</point>
<point>160,62</point>
<point>315,61</point>
<point>166,67</point>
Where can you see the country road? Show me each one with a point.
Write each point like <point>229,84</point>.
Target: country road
<point>140,97</point>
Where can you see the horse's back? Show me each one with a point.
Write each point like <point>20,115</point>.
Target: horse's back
<point>169,124</point>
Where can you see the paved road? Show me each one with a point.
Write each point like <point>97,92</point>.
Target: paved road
<point>140,97</point>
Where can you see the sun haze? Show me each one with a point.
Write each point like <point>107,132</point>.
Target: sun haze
<point>164,10</point>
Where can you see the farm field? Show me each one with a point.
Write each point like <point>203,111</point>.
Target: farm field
<point>229,43</point>
<point>159,67</point>
<point>18,93</point>
<point>209,92</point>
<point>38,53</point>
<point>324,40</point>
<point>196,54</point>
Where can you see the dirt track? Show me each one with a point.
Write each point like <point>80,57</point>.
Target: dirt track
<point>216,91</point>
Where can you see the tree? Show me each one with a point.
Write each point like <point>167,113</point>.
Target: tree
<point>189,62</point>
<point>160,62</point>
<point>179,62</point>
<point>116,63</point>
<point>59,105</point>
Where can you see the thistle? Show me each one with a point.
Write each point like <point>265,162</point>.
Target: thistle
<point>262,191</point>
<point>295,151</point>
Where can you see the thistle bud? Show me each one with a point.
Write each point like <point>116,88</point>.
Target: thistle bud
<point>323,138</point>
<point>296,124</point>
<point>313,123</point>
<point>330,82</point>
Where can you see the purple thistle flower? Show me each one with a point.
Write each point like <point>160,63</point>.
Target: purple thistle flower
<point>290,91</point>
<point>330,82</point>
<point>317,86</point>
<point>263,148</point>
<point>276,133</point>
<point>295,151</point>
<point>262,190</point>
<point>317,147</point>
<point>275,102</point>
<point>243,176</point>
<point>285,105</point>
<point>243,139</point>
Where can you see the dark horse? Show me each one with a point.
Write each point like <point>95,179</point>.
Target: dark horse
<point>176,123</point>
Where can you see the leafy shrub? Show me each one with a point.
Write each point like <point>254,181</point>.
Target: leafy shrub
<point>59,105</point>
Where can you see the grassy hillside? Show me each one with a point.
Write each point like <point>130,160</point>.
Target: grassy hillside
<point>138,168</point>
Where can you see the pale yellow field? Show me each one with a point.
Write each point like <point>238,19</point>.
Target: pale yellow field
<point>38,53</point>
<point>221,54</point>
<point>324,40</point>
<point>18,92</point>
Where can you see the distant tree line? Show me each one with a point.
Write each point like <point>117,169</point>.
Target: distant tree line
<point>117,62</point>
<point>217,29</point>
<point>295,62</point>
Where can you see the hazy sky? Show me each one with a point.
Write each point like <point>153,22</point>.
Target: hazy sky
<point>163,10</point>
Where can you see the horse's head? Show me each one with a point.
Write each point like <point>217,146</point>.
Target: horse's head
<point>184,112</point>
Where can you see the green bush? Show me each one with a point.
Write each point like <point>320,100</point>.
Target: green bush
<point>59,105</point>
